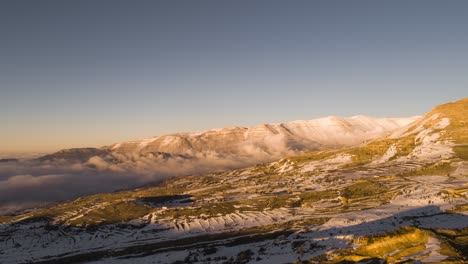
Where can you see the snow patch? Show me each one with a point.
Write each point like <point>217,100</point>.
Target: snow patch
<point>328,164</point>
<point>143,143</point>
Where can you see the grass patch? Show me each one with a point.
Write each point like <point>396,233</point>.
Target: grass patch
<point>264,168</point>
<point>208,210</point>
<point>454,243</point>
<point>434,169</point>
<point>210,191</point>
<point>111,214</point>
<point>404,243</point>
<point>393,245</point>
<point>310,197</point>
<point>312,156</point>
<point>255,204</point>
<point>116,207</point>
<point>459,208</point>
<point>365,154</point>
<point>6,219</point>
<point>405,145</point>
<point>363,188</point>
<point>461,152</point>
<point>457,112</point>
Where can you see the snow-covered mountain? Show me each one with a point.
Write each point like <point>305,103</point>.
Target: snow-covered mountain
<point>296,135</point>
<point>245,145</point>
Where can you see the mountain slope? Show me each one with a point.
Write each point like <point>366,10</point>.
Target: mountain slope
<point>234,147</point>
<point>297,135</point>
<point>399,198</point>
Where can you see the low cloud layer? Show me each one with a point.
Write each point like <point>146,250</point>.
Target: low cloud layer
<point>32,183</point>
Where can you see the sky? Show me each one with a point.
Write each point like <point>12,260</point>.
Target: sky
<point>93,73</point>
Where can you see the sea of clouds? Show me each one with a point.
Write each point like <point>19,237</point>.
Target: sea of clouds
<point>33,183</point>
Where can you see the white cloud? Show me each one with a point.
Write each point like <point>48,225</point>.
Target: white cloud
<point>32,183</point>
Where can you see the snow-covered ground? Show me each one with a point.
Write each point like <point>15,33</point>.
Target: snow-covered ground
<point>419,203</point>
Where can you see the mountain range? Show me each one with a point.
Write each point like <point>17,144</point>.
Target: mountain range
<point>240,145</point>
<point>354,190</point>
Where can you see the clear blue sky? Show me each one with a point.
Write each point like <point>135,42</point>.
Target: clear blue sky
<point>90,73</point>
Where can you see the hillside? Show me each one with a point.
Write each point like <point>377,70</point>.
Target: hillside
<point>401,197</point>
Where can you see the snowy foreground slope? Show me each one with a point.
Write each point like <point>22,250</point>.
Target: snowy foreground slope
<point>402,197</point>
